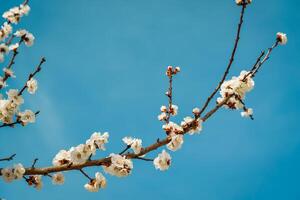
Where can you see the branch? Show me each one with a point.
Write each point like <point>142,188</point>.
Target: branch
<point>8,158</point>
<point>230,60</point>
<point>106,161</point>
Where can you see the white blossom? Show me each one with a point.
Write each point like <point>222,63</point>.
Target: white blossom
<point>162,161</point>
<point>176,142</point>
<point>247,113</point>
<point>172,127</point>
<point>14,47</point>
<point>61,158</point>
<point>162,116</point>
<point>97,183</point>
<point>19,171</point>
<point>58,179</point>
<point>24,9</point>
<point>134,143</point>
<point>36,180</point>
<point>238,87</point>
<point>9,72</point>
<point>194,125</point>
<point>80,154</point>
<point>28,37</point>
<point>27,117</point>
<point>174,110</point>
<point>14,96</point>
<point>7,174</point>
<point>163,109</point>
<point>120,166</point>
<point>282,38</point>
<point>98,140</point>
<point>5,31</point>
<point>14,14</point>
<point>196,111</point>
<point>32,86</point>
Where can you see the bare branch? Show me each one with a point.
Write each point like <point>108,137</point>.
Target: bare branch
<point>8,158</point>
<point>85,174</point>
<point>34,162</point>
<point>230,60</point>
<point>127,147</point>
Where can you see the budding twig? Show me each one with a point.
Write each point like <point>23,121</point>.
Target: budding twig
<point>11,62</point>
<point>230,60</point>
<point>31,75</point>
<point>169,95</point>
<point>267,56</point>
<point>145,159</point>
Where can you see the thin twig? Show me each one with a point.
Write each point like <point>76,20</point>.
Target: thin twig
<point>8,158</point>
<point>127,147</point>
<point>145,159</point>
<point>245,108</point>
<point>85,174</point>
<point>267,56</point>
<point>34,162</point>
<point>230,60</point>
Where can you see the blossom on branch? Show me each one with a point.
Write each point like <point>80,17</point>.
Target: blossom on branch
<point>5,31</point>
<point>14,14</point>
<point>58,179</point>
<point>120,166</point>
<point>98,140</point>
<point>32,86</point>
<point>134,143</point>
<point>236,87</point>
<point>95,184</point>
<point>282,38</point>
<point>176,142</point>
<point>162,161</point>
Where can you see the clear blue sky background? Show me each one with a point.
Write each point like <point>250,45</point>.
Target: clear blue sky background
<point>105,72</point>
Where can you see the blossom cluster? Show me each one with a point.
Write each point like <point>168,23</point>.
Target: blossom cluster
<point>14,14</point>
<point>14,173</point>
<point>236,88</point>
<point>81,153</point>
<point>10,107</point>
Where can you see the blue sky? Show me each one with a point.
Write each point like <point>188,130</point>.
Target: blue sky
<point>105,72</point>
